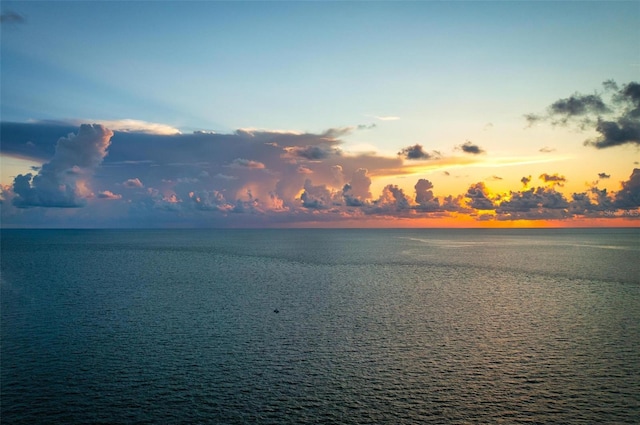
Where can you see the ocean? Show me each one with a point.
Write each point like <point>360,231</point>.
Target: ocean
<point>387,326</point>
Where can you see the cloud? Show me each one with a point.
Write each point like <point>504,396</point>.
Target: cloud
<point>356,193</point>
<point>424,196</point>
<point>59,183</point>
<point>366,126</point>
<point>107,194</point>
<point>578,105</point>
<point>10,17</point>
<point>136,126</point>
<point>479,197</point>
<point>534,204</point>
<point>133,183</point>
<point>387,118</point>
<point>603,175</point>
<point>547,149</point>
<point>317,197</point>
<point>246,163</point>
<point>629,195</point>
<point>417,152</point>
<point>554,179</point>
<point>311,153</point>
<point>616,118</point>
<point>391,201</point>
<point>253,178</point>
<point>471,148</point>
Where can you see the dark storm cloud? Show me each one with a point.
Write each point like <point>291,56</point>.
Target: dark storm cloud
<point>416,152</point>
<point>615,133</point>
<point>471,148</point>
<point>578,104</point>
<point>36,142</point>
<point>616,119</point>
<point>553,178</point>
<point>10,17</point>
<point>59,183</point>
<point>628,197</point>
<point>311,152</point>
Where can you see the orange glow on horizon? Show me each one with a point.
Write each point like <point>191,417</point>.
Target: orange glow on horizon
<point>469,222</point>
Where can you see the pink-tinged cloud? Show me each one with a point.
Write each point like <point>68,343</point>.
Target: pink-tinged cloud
<point>133,183</point>
<point>262,178</point>
<point>59,183</point>
<point>107,194</point>
<point>246,163</point>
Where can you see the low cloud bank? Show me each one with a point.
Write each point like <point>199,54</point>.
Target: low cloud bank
<point>260,178</point>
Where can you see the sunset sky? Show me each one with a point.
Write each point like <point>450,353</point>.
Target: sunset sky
<point>235,114</point>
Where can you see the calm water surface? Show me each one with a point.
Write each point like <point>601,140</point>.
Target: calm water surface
<point>373,326</point>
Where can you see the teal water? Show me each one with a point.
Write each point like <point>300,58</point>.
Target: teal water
<point>373,326</point>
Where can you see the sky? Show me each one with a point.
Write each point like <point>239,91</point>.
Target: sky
<point>320,114</point>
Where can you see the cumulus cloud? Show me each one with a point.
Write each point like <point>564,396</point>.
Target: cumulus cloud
<point>534,204</point>
<point>316,197</point>
<point>577,105</point>
<point>210,200</point>
<point>629,195</point>
<point>357,193</point>
<point>615,118</point>
<point>554,179</point>
<point>478,196</point>
<point>417,152</point>
<point>61,181</point>
<point>391,201</point>
<point>251,178</point>
<point>107,194</point>
<point>424,196</point>
<point>471,148</point>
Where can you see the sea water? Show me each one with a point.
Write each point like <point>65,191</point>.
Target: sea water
<point>320,326</point>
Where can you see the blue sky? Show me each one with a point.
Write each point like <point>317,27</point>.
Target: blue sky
<point>437,74</point>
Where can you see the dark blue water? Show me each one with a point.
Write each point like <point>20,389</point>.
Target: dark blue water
<point>373,326</point>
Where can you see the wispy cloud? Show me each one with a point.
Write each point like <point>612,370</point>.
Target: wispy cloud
<point>11,17</point>
<point>137,126</point>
